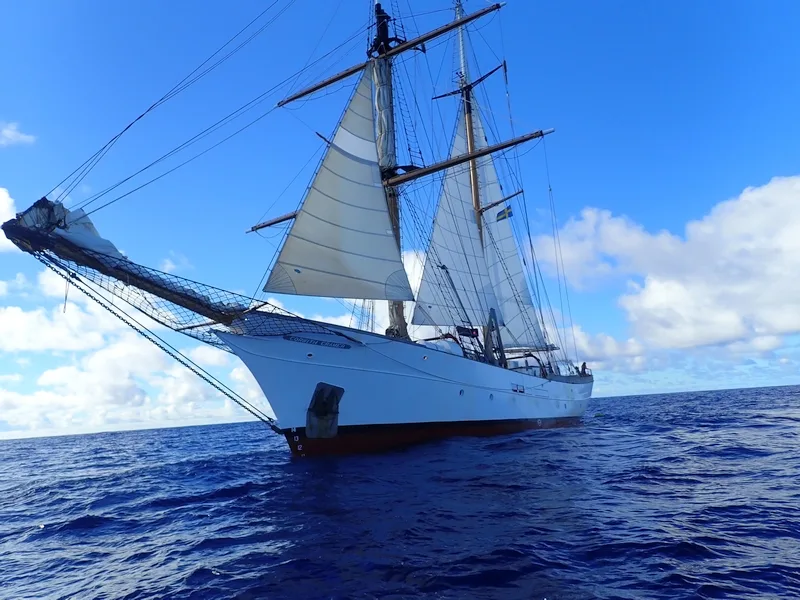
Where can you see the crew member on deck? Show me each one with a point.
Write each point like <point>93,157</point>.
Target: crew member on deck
<point>583,369</point>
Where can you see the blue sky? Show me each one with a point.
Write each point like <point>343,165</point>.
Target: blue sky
<point>663,113</point>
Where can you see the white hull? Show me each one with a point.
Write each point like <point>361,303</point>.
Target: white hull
<point>392,386</point>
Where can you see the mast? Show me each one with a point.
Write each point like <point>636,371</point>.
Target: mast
<point>466,98</point>
<point>387,156</point>
<point>466,94</point>
<point>488,178</point>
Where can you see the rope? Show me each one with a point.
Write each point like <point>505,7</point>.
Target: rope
<point>209,130</point>
<point>186,162</point>
<point>84,169</point>
<point>503,161</point>
<point>560,257</point>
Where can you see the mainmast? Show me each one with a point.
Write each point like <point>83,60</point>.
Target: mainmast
<point>466,95</point>
<point>387,155</point>
<point>466,98</point>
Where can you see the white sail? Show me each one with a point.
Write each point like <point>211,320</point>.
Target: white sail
<point>521,326</point>
<point>455,244</point>
<point>341,243</point>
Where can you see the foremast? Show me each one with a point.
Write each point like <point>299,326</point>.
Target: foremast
<point>387,155</point>
<point>466,98</point>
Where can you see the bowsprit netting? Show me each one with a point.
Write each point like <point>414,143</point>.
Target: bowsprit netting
<point>67,242</point>
<point>214,309</point>
<point>234,313</point>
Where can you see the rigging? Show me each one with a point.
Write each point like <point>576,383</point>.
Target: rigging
<point>86,167</point>
<point>204,133</point>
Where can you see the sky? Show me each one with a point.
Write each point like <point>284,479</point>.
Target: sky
<point>674,166</point>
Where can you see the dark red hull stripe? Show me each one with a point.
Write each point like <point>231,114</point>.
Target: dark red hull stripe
<point>355,439</point>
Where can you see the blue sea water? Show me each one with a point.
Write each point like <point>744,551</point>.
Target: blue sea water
<point>691,495</point>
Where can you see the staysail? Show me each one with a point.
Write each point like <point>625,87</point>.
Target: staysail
<point>341,244</point>
<point>521,326</point>
<point>455,249</point>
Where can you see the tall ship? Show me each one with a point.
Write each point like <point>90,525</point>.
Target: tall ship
<point>466,350</point>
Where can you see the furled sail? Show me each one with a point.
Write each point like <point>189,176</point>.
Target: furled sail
<point>455,244</point>
<point>341,244</point>
<point>521,326</point>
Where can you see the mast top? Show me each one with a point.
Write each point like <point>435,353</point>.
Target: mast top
<point>464,74</point>
<point>383,44</point>
<point>380,44</point>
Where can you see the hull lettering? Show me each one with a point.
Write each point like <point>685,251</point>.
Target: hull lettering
<point>304,340</point>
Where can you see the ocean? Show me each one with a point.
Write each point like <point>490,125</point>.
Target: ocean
<point>693,495</point>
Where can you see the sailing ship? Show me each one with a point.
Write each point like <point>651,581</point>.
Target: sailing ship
<point>490,367</point>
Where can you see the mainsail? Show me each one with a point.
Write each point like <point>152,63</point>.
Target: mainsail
<point>476,243</point>
<point>521,326</point>
<point>341,244</point>
<point>455,248</point>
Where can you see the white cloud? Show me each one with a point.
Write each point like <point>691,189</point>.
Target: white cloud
<point>52,285</point>
<point>247,387</point>
<point>730,279</point>
<point>8,210</point>
<point>602,346</point>
<point>759,345</point>
<point>128,381</point>
<point>605,353</point>
<point>10,135</point>
<point>245,384</point>
<point>78,325</point>
<point>208,356</point>
<point>343,320</point>
<point>19,283</point>
<point>41,330</point>
<point>110,377</point>
<point>11,378</point>
<point>175,262</point>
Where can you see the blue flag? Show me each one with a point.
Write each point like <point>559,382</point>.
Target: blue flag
<point>504,214</point>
